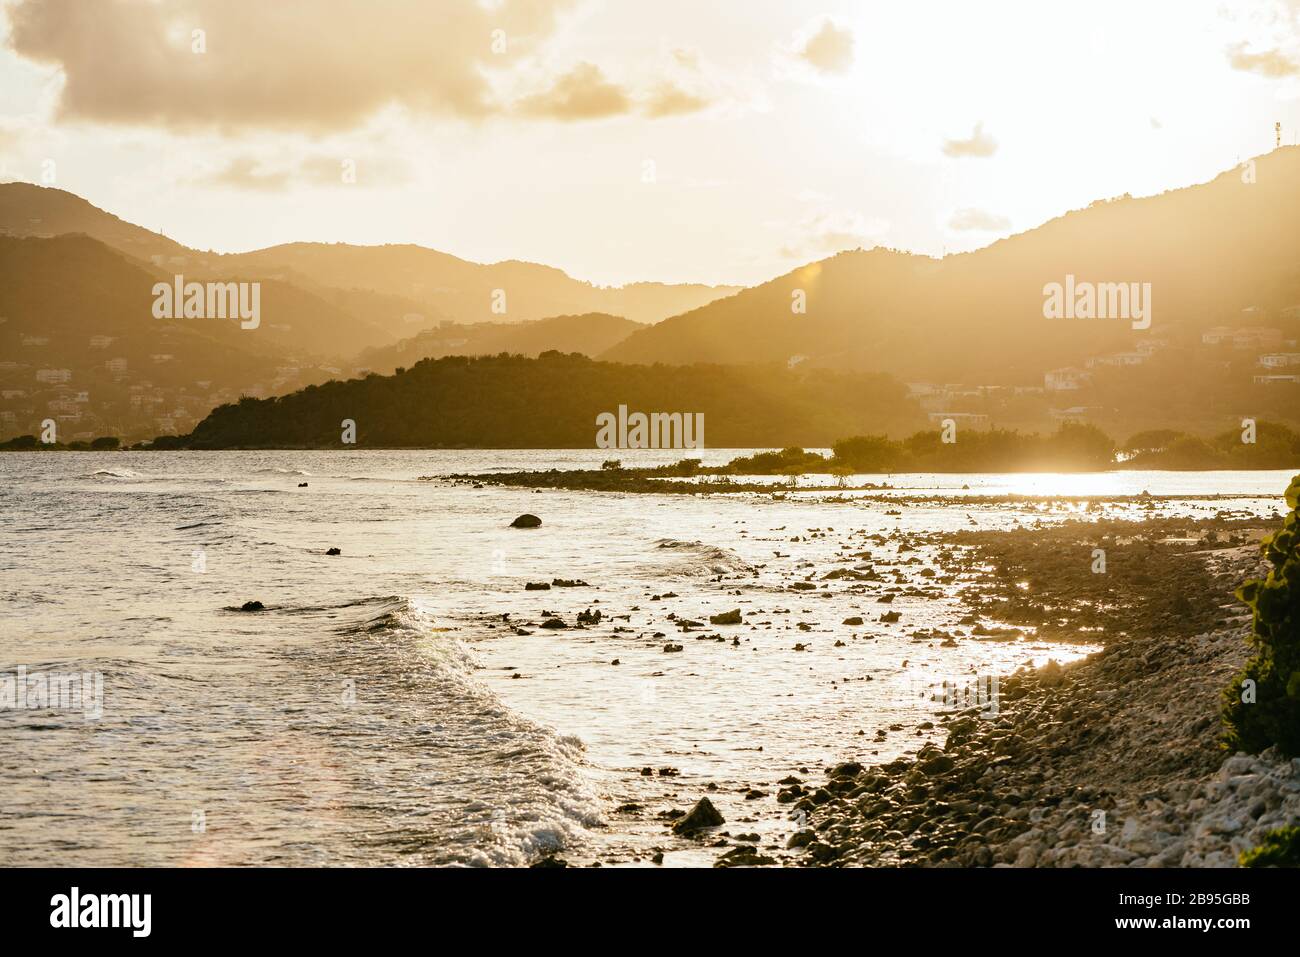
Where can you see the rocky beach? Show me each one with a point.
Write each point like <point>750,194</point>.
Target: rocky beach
<point>1115,760</point>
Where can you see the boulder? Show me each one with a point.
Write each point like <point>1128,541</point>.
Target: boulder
<point>526,521</point>
<point>703,815</point>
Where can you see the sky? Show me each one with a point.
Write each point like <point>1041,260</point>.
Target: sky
<point>726,141</point>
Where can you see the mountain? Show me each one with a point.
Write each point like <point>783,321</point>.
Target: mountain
<point>587,335</point>
<point>79,343</point>
<point>553,401</point>
<point>394,290</point>
<point>44,212</point>
<point>1225,252</point>
<point>471,292</point>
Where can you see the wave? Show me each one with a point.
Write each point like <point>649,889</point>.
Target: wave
<point>701,557</point>
<point>510,789</point>
<point>279,471</point>
<point>114,473</point>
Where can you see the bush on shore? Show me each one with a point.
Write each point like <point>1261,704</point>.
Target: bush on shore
<point>1262,705</point>
<point>1280,848</point>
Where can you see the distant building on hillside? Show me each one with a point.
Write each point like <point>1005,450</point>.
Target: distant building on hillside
<point>1257,338</point>
<point>1280,360</point>
<point>1076,415</point>
<point>1067,379</point>
<point>1276,379</point>
<point>1252,337</point>
<point>972,420</point>
<point>1119,359</point>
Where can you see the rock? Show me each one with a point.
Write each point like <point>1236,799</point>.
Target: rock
<point>702,816</point>
<point>726,618</point>
<point>554,623</point>
<point>744,856</point>
<point>801,838</point>
<point>569,583</point>
<point>670,648</point>
<point>821,853</point>
<point>252,606</point>
<point>537,586</point>
<point>526,521</point>
<point>302,484</point>
<point>550,861</point>
<point>938,765</point>
<point>855,620</point>
<point>334,551</point>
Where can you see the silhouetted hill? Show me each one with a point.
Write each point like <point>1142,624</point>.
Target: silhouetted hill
<point>1225,252</point>
<point>44,212</point>
<point>399,289</point>
<point>553,402</point>
<point>79,343</point>
<point>587,335</point>
<point>466,291</point>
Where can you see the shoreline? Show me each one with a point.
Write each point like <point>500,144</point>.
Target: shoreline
<point>1114,760</point>
<point>1111,760</point>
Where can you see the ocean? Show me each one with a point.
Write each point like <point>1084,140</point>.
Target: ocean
<point>399,703</point>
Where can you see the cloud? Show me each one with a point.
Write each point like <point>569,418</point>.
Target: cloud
<point>825,232</point>
<point>246,172</point>
<point>311,65</point>
<point>978,220</point>
<point>980,144</point>
<point>323,66</point>
<point>828,50</point>
<point>584,93</point>
<point>670,100</point>
<point>1270,63</point>
<point>252,173</point>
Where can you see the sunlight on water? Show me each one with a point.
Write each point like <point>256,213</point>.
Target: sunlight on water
<point>382,710</point>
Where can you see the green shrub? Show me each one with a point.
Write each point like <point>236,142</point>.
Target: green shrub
<point>1270,681</point>
<point>1280,848</point>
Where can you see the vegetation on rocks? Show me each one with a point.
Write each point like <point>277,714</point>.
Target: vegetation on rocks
<point>1262,705</point>
<point>1281,848</point>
